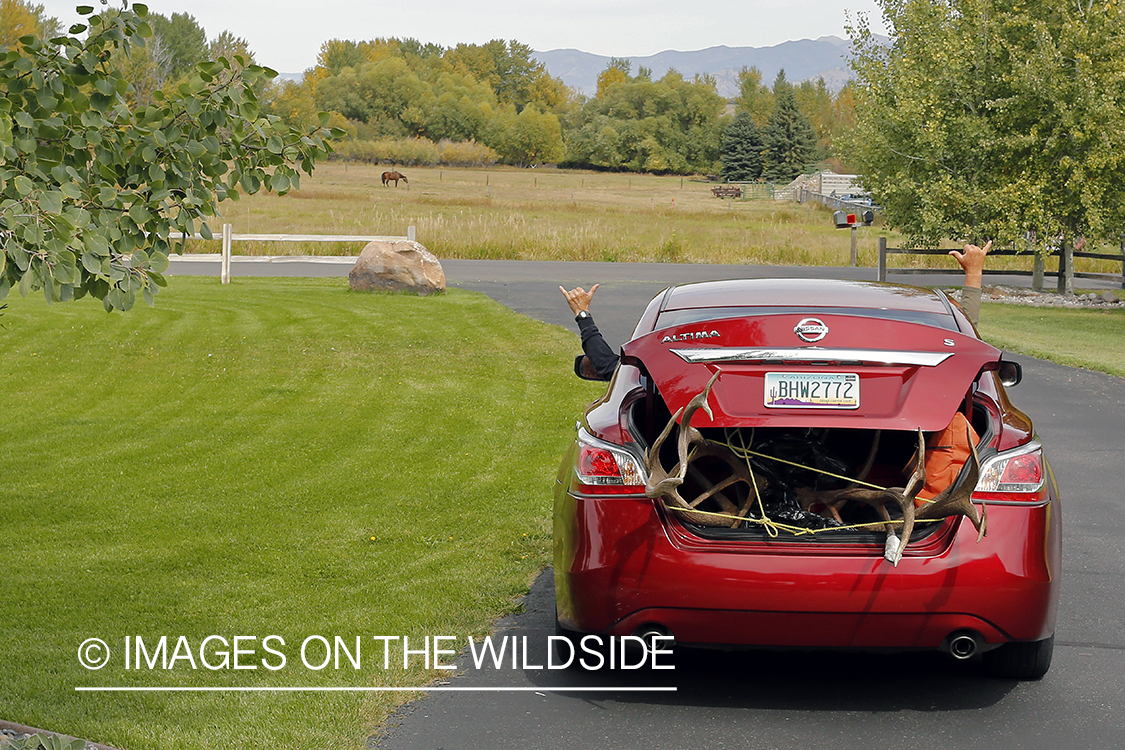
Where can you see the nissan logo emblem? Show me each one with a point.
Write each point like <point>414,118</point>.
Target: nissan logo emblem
<point>811,330</point>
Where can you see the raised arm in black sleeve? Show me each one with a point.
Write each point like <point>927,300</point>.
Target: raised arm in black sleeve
<point>597,350</point>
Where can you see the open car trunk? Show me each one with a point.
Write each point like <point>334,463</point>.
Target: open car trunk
<point>793,429</point>
<point>791,467</point>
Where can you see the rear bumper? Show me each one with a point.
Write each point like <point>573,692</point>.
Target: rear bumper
<point>620,563</point>
<point>812,629</point>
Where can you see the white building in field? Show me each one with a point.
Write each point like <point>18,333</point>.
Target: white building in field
<point>832,184</point>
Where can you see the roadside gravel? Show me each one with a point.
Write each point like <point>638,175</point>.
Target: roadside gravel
<point>1011,295</point>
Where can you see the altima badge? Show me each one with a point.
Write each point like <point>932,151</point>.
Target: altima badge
<point>811,330</point>
<point>689,336</point>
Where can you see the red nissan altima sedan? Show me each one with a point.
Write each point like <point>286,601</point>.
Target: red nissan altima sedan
<point>811,464</point>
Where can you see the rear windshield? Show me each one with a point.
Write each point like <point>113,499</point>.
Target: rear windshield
<point>670,318</point>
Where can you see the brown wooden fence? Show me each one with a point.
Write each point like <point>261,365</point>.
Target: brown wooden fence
<point>1060,274</point>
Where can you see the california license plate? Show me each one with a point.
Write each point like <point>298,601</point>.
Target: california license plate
<point>812,390</point>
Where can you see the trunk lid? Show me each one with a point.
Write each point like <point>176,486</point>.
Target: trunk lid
<point>815,370</point>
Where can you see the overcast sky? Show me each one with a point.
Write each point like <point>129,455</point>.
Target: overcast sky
<point>286,34</point>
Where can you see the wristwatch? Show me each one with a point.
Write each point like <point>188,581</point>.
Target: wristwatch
<point>582,315</point>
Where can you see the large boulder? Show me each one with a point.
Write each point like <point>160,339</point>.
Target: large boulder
<point>397,265</point>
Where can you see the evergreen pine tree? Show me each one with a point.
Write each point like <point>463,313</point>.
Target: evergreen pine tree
<point>790,143</point>
<point>741,154</point>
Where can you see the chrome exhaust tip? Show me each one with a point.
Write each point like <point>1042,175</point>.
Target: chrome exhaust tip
<point>651,631</point>
<point>963,645</point>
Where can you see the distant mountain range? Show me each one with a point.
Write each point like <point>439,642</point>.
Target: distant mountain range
<point>807,59</point>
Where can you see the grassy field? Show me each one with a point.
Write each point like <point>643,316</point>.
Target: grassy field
<point>548,214</point>
<point>1094,339</point>
<point>278,456</point>
<point>542,215</point>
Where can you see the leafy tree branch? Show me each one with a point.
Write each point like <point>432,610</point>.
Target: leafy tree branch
<point>93,184</point>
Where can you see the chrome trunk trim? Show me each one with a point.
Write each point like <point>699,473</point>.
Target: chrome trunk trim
<point>812,355</point>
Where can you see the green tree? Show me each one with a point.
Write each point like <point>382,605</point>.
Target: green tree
<point>403,88</point>
<point>669,125</point>
<point>741,153</point>
<point>387,92</point>
<point>531,137</point>
<point>508,68</point>
<point>790,143</point>
<point>986,119</point>
<point>617,71</point>
<point>816,102</point>
<point>229,46</point>
<point>292,102</point>
<point>148,69</point>
<point>461,109</point>
<point>843,123</point>
<point>754,97</point>
<point>183,38</point>
<point>175,47</point>
<point>337,54</point>
<point>90,188</point>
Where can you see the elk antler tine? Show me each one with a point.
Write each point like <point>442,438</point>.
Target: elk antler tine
<point>665,432</point>
<point>699,402</point>
<point>957,498</point>
<point>659,481</point>
<point>908,515</point>
<point>691,445</point>
<point>917,479</point>
<point>914,485</point>
<point>713,490</point>
<point>974,478</point>
<point>863,472</point>
<point>689,435</point>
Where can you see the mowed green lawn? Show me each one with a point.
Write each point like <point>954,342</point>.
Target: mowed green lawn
<point>1090,338</point>
<point>278,457</point>
<point>285,457</point>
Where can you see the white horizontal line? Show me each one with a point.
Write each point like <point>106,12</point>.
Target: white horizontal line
<point>238,259</point>
<point>120,689</point>
<point>216,236</point>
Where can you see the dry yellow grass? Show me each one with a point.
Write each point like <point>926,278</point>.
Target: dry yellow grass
<point>543,214</point>
<point>550,214</point>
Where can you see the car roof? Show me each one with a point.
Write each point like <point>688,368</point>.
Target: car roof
<point>811,293</point>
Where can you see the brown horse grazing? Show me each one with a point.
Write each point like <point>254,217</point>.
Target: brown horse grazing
<point>396,176</point>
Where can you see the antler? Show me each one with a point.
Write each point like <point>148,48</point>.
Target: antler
<point>690,446</point>
<point>956,499</point>
<point>903,497</point>
<point>827,499</point>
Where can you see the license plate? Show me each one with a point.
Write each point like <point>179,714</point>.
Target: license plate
<point>812,390</point>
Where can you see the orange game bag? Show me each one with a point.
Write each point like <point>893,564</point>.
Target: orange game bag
<point>946,452</point>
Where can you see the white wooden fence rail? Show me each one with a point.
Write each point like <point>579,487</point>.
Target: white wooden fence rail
<point>229,238</point>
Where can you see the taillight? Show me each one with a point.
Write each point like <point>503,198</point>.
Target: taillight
<point>1018,470</point>
<point>604,467</point>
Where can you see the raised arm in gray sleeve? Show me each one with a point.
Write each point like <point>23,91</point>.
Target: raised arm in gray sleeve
<point>970,300</point>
